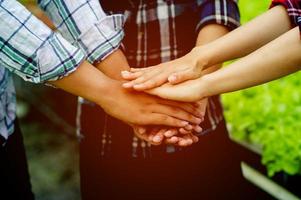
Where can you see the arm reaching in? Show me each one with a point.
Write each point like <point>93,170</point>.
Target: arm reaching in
<point>236,44</point>
<point>207,34</point>
<point>274,60</point>
<point>112,66</point>
<point>90,83</point>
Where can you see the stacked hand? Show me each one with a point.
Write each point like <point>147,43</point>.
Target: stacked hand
<point>155,120</point>
<point>174,72</point>
<point>165,80</point>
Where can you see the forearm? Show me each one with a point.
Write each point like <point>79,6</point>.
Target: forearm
<point>113,65</point>
<point>87,82</point>
<point>246,38</point>
<point>208,34</point>
<point>266,64</point>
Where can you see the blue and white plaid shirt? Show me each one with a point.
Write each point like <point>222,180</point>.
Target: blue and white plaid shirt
<point>34,52</point>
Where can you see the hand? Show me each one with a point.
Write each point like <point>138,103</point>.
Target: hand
<point>181,137</point>
<point>188,67</point>
<point>189,91</point>
<point>142,109</point>
<point>156,136</point>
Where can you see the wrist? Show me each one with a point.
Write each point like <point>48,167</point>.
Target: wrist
<point>107,92</point>
<point>205,86</point>
<point>201,57</point>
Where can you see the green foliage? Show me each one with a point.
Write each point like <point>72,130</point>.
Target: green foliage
<point>268,115</point>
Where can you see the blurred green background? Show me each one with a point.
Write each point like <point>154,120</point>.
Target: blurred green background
<point>266,116</point>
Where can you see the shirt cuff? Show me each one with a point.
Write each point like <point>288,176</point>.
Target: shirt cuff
<point>57,58</point>
<point>221,12</point>
<point>102,38</point>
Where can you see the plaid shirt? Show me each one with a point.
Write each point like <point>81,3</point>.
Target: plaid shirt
<point>157,31</point>
<point>293,8</point>
<point>37,54</point>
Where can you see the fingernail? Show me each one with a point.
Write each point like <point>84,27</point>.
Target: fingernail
<point>172,78</point>
<point>157,139</point>
<point>182,143</point>
<point>168,134</point>
<point>198,120</point>
<point>182,130</point>
<point>174,139</point>
<point>188,127</point>
<point>139,86</point>
<point>184,123</point>
<point>141,130</point>
<point>127,85</point>
<point>198,129</point>
<point>125,73</point>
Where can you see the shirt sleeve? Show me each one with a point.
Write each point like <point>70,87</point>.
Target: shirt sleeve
<point>85,24</point>
<point>223,12</point>
<point>30,49</point>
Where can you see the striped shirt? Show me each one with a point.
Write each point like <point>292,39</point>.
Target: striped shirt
<point>29,49</point>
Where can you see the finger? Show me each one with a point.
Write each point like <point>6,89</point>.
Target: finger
<point>183,131</point>
<point>170,133</point>
<point>173,140</point>
<point>176,112</point>
<point>186,141</point>
<point>197,129</point>
<point>202,106</point>
<point>153,81</point>
<point>140,132</point>
<point>142,69</point>
<point>182,142</point>
<point>158,137</point>
<point>182,76</point>
<point>189,140</point>
<point>131,76</point>
<point>167,92</point>
<point>189,107</point>
<point>151,135</point>
<point>163,119</point>
<point>195,139</point>
<point>188,127</point>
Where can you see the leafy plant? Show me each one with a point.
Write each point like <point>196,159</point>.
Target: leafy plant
<point>268,115</point>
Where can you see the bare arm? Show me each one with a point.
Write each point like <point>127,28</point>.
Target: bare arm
<point>274,60</point>
<point>207,34</point>
<point>278,58</point>
<point>90,83</point>
<point>247,38</point>
<point>113,65</point>
<point>237,43</point>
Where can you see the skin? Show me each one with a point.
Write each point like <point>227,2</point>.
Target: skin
<point>263,65</point>
<point>90,83</point>
<point>236,44</point>
<point>118,60</point>
<point>206,35</point>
